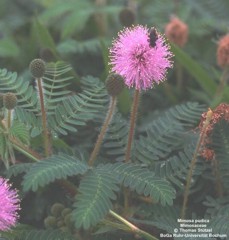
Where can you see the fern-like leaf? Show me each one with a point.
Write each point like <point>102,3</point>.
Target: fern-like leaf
<point>9,82</point>
<point>30,120</point>
<point>220,144</point>
<point>50,169</point>
<point>77,110</point>
<point>20,132</point>
<point>143,182</point>
<point>17,169</point>
<point>220,222</point>
<point>175,168</point>
<point>54,83</point>
<point>43,235</point>
<point>116,138</point>
<point>161,139</point>
<point>94,200</point>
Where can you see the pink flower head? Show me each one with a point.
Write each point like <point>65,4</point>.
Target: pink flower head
<point>9,205</point>
<point>141,57</point>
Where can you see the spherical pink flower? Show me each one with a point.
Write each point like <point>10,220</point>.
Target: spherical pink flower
<point>141,57</point>
<point>9,205</point>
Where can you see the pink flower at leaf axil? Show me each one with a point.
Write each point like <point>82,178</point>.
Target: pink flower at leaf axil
<point>9,205</point>
<point>137,60</point>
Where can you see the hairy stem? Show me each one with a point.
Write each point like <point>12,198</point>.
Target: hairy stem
<point>132,227</point>
<point>193,162</point>
<point>47,145</point>
<point>9,115</point>
<point>113,101</point>
<point>219,187</point>
<point>133,118</point>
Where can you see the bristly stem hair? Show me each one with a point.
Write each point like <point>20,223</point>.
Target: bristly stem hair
<point>44,118</point>
<point>193,161</point>
<point>133,118</point>
<point>113,101</point>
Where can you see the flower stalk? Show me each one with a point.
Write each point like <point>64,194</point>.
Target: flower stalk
<point>114,86</point>
<point>193,161</point>
<point>9,118</point>
<point>47,146</point>
<point>133,118</point>
<point>113,101</point>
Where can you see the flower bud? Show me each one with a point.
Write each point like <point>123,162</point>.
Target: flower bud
<point>177,31</point>
<point>9,100</point>
<point>56,209</point>
<point>37,68</point>
<point>60,223</point>
<point>127,17</point>
<point>65,212</point>
<point>114,84</point>
<point>50,222</point>
<point>68,221</point>
<point>223,52</point>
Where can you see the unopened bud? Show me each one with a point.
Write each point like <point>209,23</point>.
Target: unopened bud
<point>9,100</point>
<point>37,68</point>
<point>114,84</point>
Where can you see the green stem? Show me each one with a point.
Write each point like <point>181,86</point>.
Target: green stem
<point>47,146</point>
<point>26,153</point>
<point>113,101</point>
<point>25,150</point>
<point>219,186</point>
<point>132,227</point>
<point>133,118</point>
<point>193,162</point>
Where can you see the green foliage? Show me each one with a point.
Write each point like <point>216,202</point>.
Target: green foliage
<point>198,72</point>
<point>116,138</point>
<point>93,202</point>
<point>217,212</point>
<point>18,130</point>
<point>220,144</point>
<point>9,82</point>
<point>51,169</point>
<point>17,169</point>
<point>8,48</point>
<point>143,181</point>
<point>77,110</point>
<point>54,83</point>
<point>165,135</point>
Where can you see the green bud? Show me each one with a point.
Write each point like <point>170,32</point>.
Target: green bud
<point>60,223</point>
<point>114,84</point>
<point>56,209</point>
<point>66,211</point>
<point>9,100</point>
<point>50,222</point>
<point>37,68</point>
<point>68,221</point>
<point>127,17</point>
